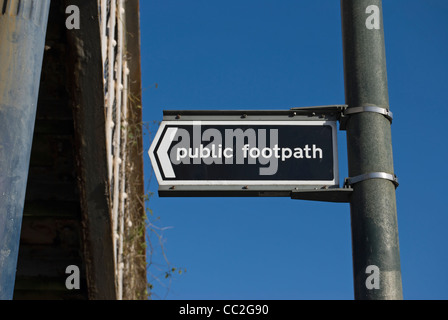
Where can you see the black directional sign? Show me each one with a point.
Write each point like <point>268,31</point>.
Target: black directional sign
<point>241,154</point>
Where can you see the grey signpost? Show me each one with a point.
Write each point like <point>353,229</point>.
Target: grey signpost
<point>373,204</point>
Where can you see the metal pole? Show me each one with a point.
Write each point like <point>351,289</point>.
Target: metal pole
<point>376,257</point>
<point>22,38</point>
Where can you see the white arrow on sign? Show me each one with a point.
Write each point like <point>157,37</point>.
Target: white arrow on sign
<point>162,152</point>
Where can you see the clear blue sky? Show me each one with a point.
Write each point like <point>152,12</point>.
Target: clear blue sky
<point>259,54</point>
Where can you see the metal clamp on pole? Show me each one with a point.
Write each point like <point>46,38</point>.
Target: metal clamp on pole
<point>388,114</point>
<point>349,111</point>
<point>372,175</point>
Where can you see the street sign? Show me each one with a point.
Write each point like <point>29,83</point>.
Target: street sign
<point>244,153</point>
